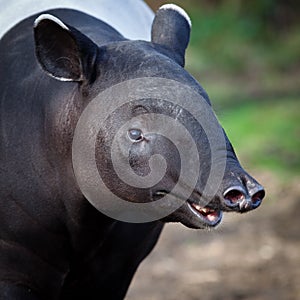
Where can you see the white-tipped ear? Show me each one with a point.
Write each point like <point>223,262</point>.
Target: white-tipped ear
<point>51,18</point>
<point>179,10</point>
<point>62,51</point>
<point>171,28</point>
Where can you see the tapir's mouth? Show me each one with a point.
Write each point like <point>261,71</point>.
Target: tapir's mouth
<point>211,217</point>
<point>192,214</point>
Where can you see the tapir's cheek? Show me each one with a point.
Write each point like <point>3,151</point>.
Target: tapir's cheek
<point>142,154</point>
<point>139,156</point>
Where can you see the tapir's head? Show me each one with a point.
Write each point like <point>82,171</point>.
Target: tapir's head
<point>146,125</point>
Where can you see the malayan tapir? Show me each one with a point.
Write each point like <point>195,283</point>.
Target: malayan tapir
<point>54,244</point>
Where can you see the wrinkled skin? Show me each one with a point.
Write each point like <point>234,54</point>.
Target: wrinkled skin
<point>54,243</point>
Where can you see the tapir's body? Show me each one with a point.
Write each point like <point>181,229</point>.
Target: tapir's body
<point>62,232</point>
<point>53,243</point>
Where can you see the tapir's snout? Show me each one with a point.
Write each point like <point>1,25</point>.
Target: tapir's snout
<point>244,195</point>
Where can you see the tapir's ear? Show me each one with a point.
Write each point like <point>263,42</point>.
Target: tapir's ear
<point>171,28</point>
<point>62,51</point>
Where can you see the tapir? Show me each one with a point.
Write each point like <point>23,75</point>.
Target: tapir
<point>54,243</point>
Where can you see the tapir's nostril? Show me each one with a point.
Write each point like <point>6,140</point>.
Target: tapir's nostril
<point>236,198</point>
<point>233,196</point>
<point>257,198</point>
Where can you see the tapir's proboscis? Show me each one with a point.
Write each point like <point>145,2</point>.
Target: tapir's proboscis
<point>56,242</point>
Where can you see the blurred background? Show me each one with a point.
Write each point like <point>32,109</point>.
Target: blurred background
<point>246,54</point>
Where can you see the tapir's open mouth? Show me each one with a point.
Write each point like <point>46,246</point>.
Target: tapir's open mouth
<point>211,217</point>
<point>193,214</point>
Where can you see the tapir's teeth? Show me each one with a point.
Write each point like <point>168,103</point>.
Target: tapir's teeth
<point>198,207</point>
<point>203,210</point>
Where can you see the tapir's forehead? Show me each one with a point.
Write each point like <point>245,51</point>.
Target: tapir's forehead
<point>145,56</point>
<point>128,60</point>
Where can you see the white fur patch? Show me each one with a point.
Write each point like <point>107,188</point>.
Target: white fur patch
<point>51,18</point>
<point>179,10</point>
<point>132,18</point>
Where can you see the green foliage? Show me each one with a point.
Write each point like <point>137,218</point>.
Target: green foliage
<point>266,134</point>
<point>249,63</point>
<point>246,54</point>
<point>239,38</point>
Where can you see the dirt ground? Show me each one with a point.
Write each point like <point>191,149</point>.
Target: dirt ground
<point>255,256</point>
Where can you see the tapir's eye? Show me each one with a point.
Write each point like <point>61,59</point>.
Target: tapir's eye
<point>136,135</point>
